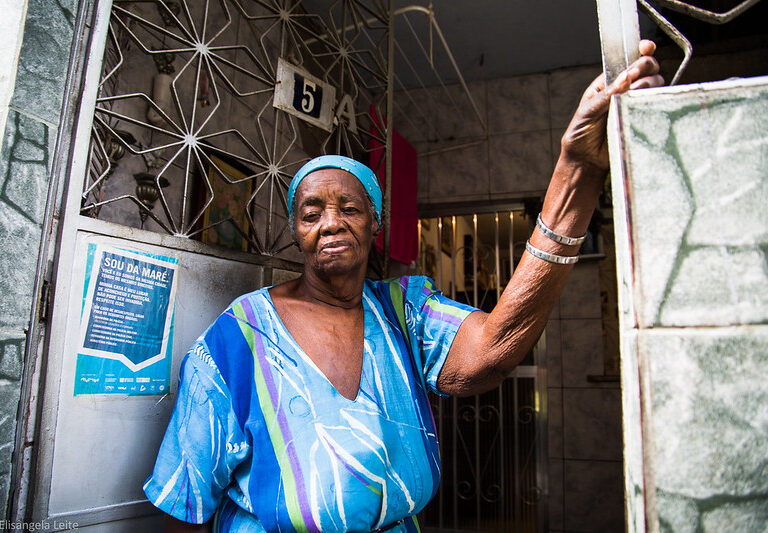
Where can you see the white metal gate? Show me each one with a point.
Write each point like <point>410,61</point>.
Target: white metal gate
<point>151,156</point>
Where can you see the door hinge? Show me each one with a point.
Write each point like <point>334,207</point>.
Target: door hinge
<point>45,302</point>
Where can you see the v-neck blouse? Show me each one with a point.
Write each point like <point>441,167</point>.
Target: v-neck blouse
<point>261,434</point>
<point>290,339</point>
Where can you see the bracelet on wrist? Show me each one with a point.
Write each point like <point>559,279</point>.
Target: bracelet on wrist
<point>560,239</point>
<point>550,258</point>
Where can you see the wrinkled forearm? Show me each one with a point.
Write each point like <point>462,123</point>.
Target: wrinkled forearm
<point>571,198</point>
<point>488,346</point>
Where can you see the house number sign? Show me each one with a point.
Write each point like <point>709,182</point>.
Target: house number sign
<point>303,95</point>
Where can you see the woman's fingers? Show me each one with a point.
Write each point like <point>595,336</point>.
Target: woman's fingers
<point>646,65</point>
<point>597,85</point>
<point>642,73</point>
<point>647,48</point>
<point>648,82</point>
<point>620,84</point>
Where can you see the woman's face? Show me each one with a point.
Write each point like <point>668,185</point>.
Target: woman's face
<point>334,226</point>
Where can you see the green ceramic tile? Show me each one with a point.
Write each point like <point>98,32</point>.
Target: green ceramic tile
<point>20,242</point>
<point>723,150</point>
<point>749,516</point>
<point>697,174</point>
<point>44,58</point>
<point>11,355</point>
<point>9,404</point>
<point>718,286</point>
<point>634,485</point>
<point>660,205</point>
<point>24,174</point>
<point>652,125</point>
<point>677,514</point>
<point>710,424</point>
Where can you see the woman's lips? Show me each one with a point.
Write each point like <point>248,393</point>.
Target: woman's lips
<point>335,247</point>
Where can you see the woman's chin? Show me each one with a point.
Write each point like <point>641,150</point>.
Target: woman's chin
<point>336,264</point>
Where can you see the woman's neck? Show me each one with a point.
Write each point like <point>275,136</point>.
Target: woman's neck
<point>344,291</point>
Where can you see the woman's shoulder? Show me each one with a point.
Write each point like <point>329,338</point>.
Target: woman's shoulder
<point>246,308</point>
<point>407,283</point>
<point>408,288</point>
<point>257,296</point>
<point>225,340</point>
<point>283,291</point>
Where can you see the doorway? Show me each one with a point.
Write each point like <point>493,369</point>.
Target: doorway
<point>493,445</point>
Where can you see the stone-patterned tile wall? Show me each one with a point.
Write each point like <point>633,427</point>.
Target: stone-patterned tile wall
<point>697,185</point>
<point>25,163</point>
<point>698,172</point>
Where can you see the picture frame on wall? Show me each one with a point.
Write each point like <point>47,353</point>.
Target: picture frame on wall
<point>225,220</point>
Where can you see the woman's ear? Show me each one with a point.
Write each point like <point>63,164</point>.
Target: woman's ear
<point>375,228</point>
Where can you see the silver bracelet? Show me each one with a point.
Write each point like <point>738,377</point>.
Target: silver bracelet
<point>562,239</point>
<point>550,258</point>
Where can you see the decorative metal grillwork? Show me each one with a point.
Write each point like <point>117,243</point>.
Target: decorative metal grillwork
<point>185,117</point>
<point>185,107</point>
<point>489,450</point>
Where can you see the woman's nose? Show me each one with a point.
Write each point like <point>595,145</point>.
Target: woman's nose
<point>330,222</point>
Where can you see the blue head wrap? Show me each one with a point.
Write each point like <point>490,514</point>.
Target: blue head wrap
<point>364,175</point>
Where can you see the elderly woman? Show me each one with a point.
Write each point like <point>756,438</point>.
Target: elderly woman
<point>304,406</point>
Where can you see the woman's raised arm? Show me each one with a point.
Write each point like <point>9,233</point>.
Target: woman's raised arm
<point>488,346</point>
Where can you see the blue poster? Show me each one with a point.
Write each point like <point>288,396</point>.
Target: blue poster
<point>126,322</point>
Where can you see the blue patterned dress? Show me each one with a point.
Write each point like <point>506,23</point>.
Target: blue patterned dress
<point>260,434</point>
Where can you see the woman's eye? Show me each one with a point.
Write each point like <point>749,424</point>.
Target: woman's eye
<point>310,217</point>
<point>351,210</point>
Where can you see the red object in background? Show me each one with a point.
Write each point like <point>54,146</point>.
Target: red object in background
<point>403,220</point>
